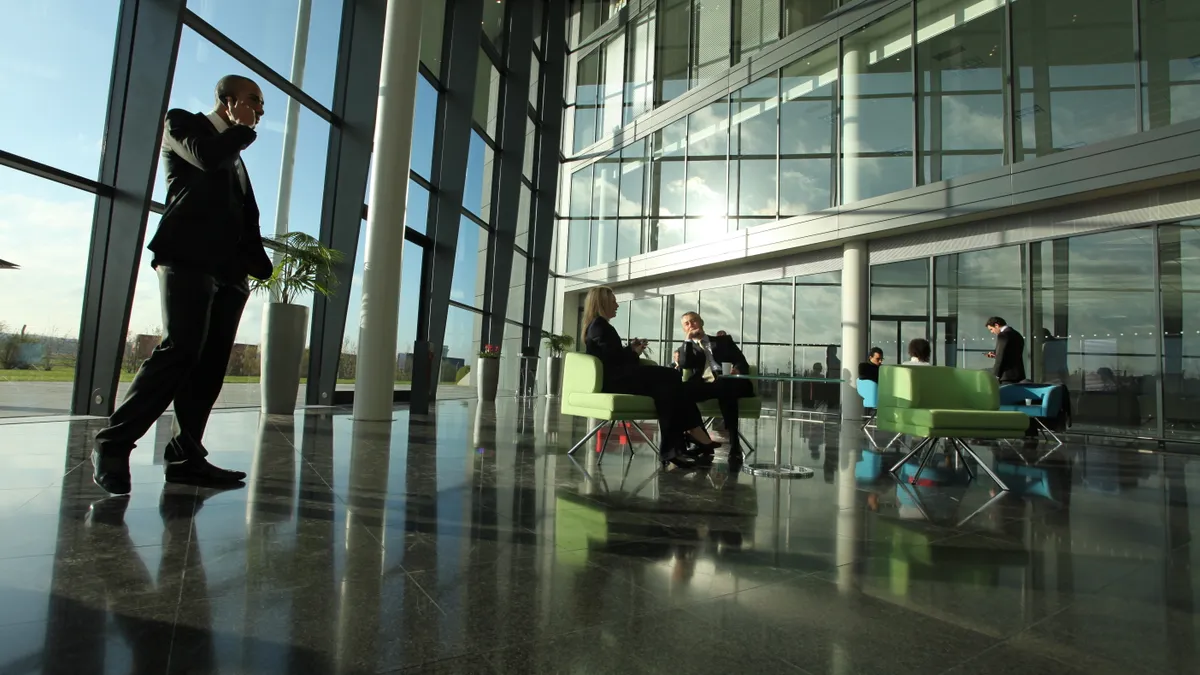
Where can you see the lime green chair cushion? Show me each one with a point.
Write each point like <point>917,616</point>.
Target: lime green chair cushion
<point>941,402</point>
<point>583,378</point>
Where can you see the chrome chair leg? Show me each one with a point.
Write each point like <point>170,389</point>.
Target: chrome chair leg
<point>628,437</point>
<point>929,452</point>
<point>915,450</point>
<point>604,445</point>
<point>646,436</point>
<point>986,469</point>
<point>747,449</point>
<point>587,438</point>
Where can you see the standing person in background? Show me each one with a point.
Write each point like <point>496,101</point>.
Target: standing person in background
<point>1009,353</point>
<point>206,245</point>
<point>678,416</point>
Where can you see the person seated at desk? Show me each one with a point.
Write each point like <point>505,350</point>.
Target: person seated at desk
<point>919,352</point>
<point>700,356</point>
<point>625,374</point>
<point>870,369</point>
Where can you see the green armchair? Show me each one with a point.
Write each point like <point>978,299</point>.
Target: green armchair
<point>937,402</point>
<point>583,376</point>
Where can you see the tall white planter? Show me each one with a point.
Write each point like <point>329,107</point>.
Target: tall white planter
<point>284,329</point>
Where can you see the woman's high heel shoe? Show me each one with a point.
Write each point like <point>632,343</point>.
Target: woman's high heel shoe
<point>698,449</point>
<point>681,461</point>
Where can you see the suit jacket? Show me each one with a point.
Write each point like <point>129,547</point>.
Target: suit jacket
<point>724,350</point>
<point>1010,356</point>
<point>602,341</point>
<point>868,371</point>
<point>211,222</point>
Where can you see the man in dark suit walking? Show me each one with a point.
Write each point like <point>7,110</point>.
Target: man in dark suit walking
<point>1010,352</point>
<point>700,356</point>
<point>207,243</point>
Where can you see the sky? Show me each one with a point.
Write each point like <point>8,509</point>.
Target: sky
<point>45,227</point>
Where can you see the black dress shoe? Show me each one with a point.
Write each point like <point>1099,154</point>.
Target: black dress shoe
<point>698,449</point>
<point>736,458</point>
<point>110,472</point>
<point>198,471</point>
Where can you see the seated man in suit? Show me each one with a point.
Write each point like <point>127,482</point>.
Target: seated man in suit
<point>870,369</point>
<point>701,356</point>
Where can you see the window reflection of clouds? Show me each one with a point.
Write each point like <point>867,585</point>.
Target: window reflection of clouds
<point>645,318</point>
<point>721,309</point>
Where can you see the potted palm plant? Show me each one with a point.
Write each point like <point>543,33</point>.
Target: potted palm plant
<point>487,377</point>
<point>304,266</point>
<point>558,345</point>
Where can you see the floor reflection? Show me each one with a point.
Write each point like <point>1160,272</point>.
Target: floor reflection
<point>468,541</point>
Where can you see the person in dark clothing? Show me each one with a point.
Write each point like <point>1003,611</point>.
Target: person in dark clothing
<point>206,245</point>
<point>624,374</point>
<point>1010,351</point>
<point>870,369</point>
<point>700,356</point>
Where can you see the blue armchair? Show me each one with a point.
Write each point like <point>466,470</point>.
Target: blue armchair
<point>1045,403</point>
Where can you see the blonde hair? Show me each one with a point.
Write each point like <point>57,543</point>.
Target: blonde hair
<point>598,300</point>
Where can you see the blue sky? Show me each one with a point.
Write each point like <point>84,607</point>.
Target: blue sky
<point>45,227</point>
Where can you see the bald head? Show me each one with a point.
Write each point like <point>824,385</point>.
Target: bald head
<point>235,87</point>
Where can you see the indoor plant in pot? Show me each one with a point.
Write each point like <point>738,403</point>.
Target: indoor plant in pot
<point>487,372</point>
<point>558,345</point>
<point>304,266</point>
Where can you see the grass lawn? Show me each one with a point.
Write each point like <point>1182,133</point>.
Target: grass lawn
<point>68,375</point>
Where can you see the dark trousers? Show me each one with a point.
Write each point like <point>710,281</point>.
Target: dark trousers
<point>200,321</point>
<point>726,391</point>
<point>676,412</point>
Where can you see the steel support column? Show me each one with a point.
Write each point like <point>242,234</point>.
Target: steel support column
<point>551,110</point>
<point>514,116</point>
<point>460,55</point>
<point>143,67</point>
<point>356,90</point>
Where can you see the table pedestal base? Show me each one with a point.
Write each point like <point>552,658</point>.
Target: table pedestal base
<point>773,470</point>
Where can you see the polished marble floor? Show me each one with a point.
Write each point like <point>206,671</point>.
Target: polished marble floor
<point>468,542</point>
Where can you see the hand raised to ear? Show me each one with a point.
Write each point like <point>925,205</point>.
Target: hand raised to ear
<point>722,333</point>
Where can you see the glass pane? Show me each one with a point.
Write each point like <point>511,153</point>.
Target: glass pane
<point>581,193</point>
<point>708,131</point>
<point>1073,65</point>
<point>535,82</point>
<point>461,349</point>
<point>972,287</point>
<point>1093,306</point>
<point>579,234</point>
<point>801,14</point>
<point>807,128</point>
<point>759,26</point>
<point>470,258</point>
<point>674,49</point>
<point>960,75</point>
<point>667,233</point>
<point>713,40</point>
<point>899,306</point>
<point>416,212</point>
<point>604,241</point>
<point>70,85</point>
<point>433,22</point>
<point>493,23</point>
<point>45,229</point>
<point>606,176</point>
<point>406,326</point>
<point>645,319</point>
<point>530,157</point>
<point>1180,279</point>
<point>777,306</point>
<point>516,288</point>
<point>487,94</point>
<point>752,184</point>
<point>629,238</point>
<point>524,206</point>
<point>706,189</point>
<point>477,190</point>
<point>639,80</point>
<point>668,188</point>
<point>588,95</point>
<point>670,141</point>
<point>751,305</point>
<point>633,177</point>
<point>721,309</point>
<point>424,128</point>
<point>1170,68</point>
<point>877,110</point>
<point>257,27</point>
<point>613,113</point>
<point>754,122</point>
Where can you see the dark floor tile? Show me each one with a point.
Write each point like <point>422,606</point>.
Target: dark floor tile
<point>1010,658</point>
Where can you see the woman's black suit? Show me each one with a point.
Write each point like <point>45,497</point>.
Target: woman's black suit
<point>624,374</point>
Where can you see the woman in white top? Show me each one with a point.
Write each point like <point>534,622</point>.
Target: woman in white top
<point>919,352</point>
